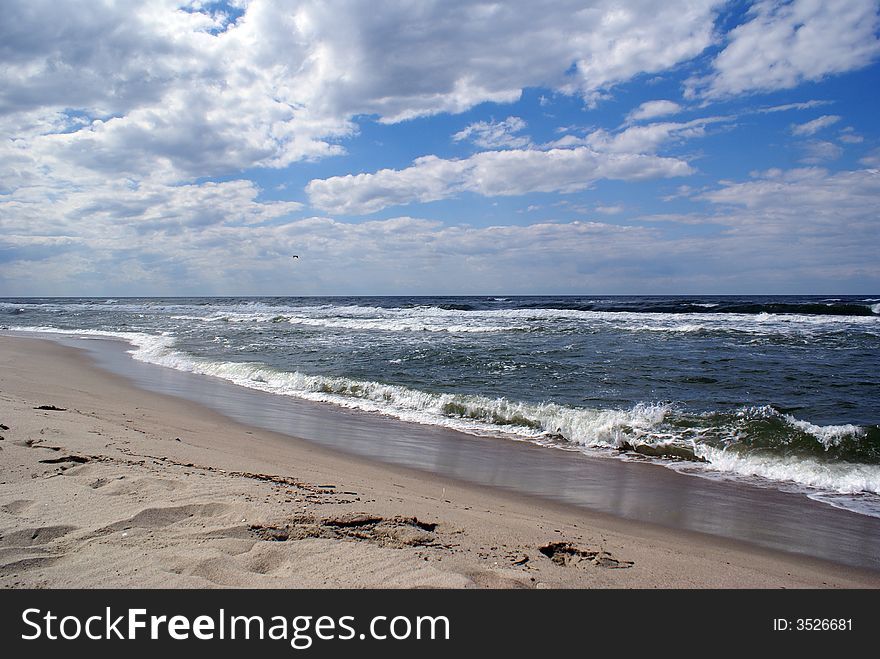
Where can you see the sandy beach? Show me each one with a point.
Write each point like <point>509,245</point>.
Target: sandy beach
<point>103,484</point>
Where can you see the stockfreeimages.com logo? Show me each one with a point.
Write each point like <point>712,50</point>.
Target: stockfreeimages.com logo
<point>300,631</point>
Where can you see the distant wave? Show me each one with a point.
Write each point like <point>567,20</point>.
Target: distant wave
<point>633,304</point>
<point>386,323</point>
<point>421,318</point>
<point>690,317</point>
<point>690,307</point>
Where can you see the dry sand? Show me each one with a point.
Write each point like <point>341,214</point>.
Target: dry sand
<point>113,486</point>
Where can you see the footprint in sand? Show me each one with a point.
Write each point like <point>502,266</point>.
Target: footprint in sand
<point>17,507</point>
<point>153,518</point>
<point>28,563</point>
<point>140,486</point>
<point>34,536</point>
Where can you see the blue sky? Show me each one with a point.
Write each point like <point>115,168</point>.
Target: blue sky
<point>446,147</point>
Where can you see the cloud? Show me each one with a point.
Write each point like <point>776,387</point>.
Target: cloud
<point>450,56</point>
<point>568,164</point>
<point>649,138</point>
<point>147,90</point>
<point>609,210</point>
<point>786,43</point>
<point>814,126</point>
<point>495,134</point>
<point>807,197</point>
<point>116,116</point>
<point>282,82</point>
<point>127,235</point>
<point>797,229</point>
<point>150,91</point>
<point>127,210</point>
<point>849,136</point>
<point>90,55</point>
<point>804,105</point>
<point>489,173</point>
<point>159,95</point>
<point>652,109</point>
<point>818,151</point>
<point>872,160</point>
<point>401,254</point>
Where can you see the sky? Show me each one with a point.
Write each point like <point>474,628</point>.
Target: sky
<point>439,147</point>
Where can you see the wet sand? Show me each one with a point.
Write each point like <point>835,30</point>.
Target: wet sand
<point>114,485</point>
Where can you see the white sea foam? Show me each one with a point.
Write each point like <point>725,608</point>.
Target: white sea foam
<point>837,477</point>
<point>683,327</point>
<point>828,435</point>
<point>367,319</point>
<point>404,324</point>
<point>862,503</point>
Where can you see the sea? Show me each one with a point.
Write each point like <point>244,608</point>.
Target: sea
<point>770,391</point>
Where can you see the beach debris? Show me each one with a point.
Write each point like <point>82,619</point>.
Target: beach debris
<point>398,531</point>
<point>51,408</point>
<point>31,443</point>
<point>520,560</point>
<point>274,534</point>
<point>352,519</point>
<point>3,426</point>
<point>567,554</point>
<point>81,459</point>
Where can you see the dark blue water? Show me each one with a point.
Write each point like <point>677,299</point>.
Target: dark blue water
<point>779,391</point>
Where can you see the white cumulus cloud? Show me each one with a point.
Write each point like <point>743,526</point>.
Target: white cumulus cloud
<point>495,134</point>
<point>489,173</point>
<point>786,43</point>
<point>648,138</point>
<point>653,109</point>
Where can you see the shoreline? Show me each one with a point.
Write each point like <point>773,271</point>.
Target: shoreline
<point>641,491</point>
<point>129,488</point>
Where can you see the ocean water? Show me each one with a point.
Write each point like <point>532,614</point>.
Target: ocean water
<point>779,392</point>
